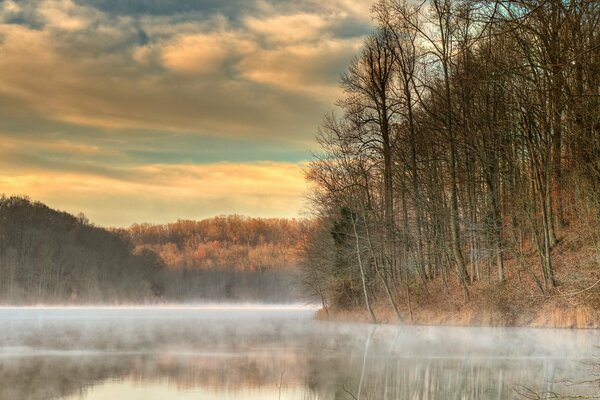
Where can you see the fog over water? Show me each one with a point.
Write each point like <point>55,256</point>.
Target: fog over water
<point>230,351</point>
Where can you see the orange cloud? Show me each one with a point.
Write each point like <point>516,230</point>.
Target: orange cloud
<point>301,67</point>
<point>293,28</point>
<point>65,15</point>
<point>195,54</point>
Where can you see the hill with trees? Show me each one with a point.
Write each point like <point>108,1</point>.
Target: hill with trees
<point>462,176</point>
<point>232,258</point>
<point>226,242</point>
<point>48,256</point>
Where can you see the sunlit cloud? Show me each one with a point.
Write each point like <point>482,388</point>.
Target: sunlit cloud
<point>195,54</point>
<point>300,68</point>
<point>137,110</point>
<point>284,29</point>
<point>66,15</point>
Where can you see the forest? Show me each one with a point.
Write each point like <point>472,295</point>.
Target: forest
<point>224,242</point>
<point>462,172</point>
<point>226,257</point>
<point>49,256</point>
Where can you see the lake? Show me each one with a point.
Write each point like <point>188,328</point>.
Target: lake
<point>275,352</point>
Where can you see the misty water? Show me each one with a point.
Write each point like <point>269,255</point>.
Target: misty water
<point>275,352</point>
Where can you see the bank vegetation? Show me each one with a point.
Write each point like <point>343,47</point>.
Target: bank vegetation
<point>460,181</point>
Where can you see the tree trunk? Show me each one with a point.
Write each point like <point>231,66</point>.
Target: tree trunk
<point>362,272</point>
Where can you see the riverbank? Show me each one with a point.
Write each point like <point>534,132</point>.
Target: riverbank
<point>574,303</point>
<point>579,317</point>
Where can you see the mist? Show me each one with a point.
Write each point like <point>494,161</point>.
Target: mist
<point>271,351</point>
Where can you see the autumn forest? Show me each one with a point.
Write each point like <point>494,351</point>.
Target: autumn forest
<point>464,167</point>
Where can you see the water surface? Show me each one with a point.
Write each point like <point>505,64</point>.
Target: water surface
<point>274,352</point>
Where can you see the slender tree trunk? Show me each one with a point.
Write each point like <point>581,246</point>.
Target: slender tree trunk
<point>443,16</point>
<point>362,272</point>
<point>388,191</point>
<point>424,269</point>
<point>380,272</point>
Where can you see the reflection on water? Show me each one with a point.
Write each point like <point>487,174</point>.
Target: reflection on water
<point>160,390</point>
<point>273,353</point>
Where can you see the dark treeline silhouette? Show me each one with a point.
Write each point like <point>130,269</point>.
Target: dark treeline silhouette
<point>468,146</point>
<point>48,256</point>
<point>52,256</point>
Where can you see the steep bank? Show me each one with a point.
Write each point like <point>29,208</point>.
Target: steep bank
<point>546,316</point>
<point>460,153</point>
<point>574,303</point>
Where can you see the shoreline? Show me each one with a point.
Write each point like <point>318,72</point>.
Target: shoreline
<point>551,317</point>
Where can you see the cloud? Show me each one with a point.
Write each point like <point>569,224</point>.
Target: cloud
<point>108,92</point>
<point>195,54</point>
<point>105,97</point>
<point>205,53</point>
<point>87,67</point>
<point>294,28</point>
<point>301,68</point>
<point>9,7</point>
<point>65,15</point>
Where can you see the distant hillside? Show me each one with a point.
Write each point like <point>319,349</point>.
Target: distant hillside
<point>233,243</point>
<point>51,256</point>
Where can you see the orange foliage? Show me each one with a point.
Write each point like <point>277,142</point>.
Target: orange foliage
<point>224,242</point>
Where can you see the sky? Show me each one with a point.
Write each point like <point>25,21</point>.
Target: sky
<point>157,110</point>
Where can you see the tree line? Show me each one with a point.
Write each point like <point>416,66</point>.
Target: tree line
<point>469,136</point>
<point>234,258</point>
<point>52,256</point>
<point>49,256</point>
<point>231,242</point>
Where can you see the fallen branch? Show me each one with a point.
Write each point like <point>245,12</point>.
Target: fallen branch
<point>580,291</point>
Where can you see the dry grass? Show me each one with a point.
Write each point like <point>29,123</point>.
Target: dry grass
<point>575,303</point>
